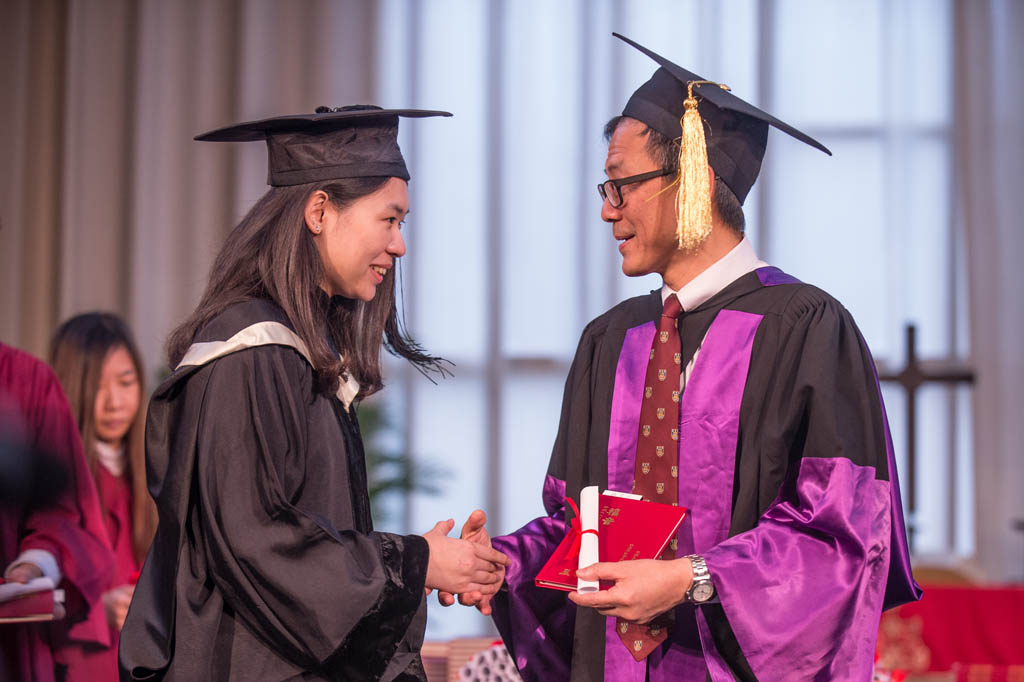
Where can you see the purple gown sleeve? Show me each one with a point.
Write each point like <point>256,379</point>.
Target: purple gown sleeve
<point>536,623</point>
<point>804,589</point>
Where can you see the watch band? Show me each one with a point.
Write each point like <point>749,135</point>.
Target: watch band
<point>701,589</point>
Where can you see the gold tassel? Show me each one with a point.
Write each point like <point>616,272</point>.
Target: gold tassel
<point>693,200</point>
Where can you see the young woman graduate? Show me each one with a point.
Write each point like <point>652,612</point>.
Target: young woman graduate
<point>95,357</point>
<point>265,564</point>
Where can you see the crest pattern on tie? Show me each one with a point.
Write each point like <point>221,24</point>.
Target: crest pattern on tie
<point>657,453</point>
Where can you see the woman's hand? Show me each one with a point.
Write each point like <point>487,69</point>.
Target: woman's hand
<point>461,566</point>
<point>23,573</point>
<point>116,602</point>
<point>474,531</point>
<point>26,572</point>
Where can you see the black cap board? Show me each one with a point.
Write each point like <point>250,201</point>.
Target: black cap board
<point>344,142</point>
<point>736,131</point>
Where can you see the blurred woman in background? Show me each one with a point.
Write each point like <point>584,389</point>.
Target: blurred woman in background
<point>98,364</point>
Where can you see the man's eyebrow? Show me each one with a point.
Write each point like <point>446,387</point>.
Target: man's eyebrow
<point>614,165</point>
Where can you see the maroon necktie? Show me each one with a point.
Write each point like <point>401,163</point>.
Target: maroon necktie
<point>656,468</point>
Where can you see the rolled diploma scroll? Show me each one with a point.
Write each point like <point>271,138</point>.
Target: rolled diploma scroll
<point>589,507</point>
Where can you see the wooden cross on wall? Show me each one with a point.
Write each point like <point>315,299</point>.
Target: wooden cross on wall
<point>914,374</point>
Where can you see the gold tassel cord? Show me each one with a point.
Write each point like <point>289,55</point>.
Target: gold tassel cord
<point>693,200</point>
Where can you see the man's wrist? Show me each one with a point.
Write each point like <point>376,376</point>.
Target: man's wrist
<point>701,589</point>
<point>685,578</point>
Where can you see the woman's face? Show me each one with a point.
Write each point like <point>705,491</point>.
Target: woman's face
<point>359,244</point>
<point>117,400</point>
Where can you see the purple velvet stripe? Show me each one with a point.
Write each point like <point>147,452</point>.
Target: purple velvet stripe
<point>626,398</point>
<point>537,622</point>
<point>707,460</point>
<point>771,276</point>
<point>710,418</point>
<point>709,428</point>
<point>619,664</point>
<point>630,373</point>
<point>836,534</point>
<point>900,587</point>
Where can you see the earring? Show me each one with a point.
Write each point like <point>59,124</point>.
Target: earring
<point>316,229</point>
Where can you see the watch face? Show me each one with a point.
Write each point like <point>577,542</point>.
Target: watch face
<point>703,592</point>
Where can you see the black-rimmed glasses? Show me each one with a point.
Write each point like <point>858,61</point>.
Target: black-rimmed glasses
<point>611,189</point>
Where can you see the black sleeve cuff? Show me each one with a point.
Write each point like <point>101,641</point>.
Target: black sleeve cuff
<point>372,643</point>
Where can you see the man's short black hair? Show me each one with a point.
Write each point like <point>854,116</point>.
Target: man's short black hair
<point>665,152</point>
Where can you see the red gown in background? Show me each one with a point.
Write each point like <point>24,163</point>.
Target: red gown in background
<point>70,528</point>
<point>91,661</point>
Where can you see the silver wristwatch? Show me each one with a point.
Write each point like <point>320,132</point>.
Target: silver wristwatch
<point>701,590</point>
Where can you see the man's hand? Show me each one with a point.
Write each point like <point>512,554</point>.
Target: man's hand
<point>643,588</point>
<point>473,531</point>
<point>461,566</point>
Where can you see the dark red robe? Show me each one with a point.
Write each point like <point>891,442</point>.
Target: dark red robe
<point>92,661</point>
<point>70,527</point>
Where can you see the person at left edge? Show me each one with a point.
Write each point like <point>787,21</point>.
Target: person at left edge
<point>51,524</point>
<point>265,564</point>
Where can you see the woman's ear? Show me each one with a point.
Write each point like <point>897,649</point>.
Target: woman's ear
<point>315,210</point>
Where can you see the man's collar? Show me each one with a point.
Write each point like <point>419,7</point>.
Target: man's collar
<point>723,272</point>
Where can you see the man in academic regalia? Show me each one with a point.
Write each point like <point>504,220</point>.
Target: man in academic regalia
<point>50,519</point>
<point>736,391</point>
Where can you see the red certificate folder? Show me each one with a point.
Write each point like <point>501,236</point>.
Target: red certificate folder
<point>627,529</point>
<point>29,602</point>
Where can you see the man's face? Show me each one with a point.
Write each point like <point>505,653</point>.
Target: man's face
<point>645,224</point>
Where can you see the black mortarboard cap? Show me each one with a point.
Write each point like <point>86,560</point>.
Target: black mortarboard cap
<point>345,142</point>
<point>736,131</point>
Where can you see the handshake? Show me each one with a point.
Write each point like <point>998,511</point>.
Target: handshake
<point>468,567</point>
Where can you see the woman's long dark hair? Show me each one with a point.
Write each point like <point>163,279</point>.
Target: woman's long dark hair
<point>77,352</point>
<point>271,254</point>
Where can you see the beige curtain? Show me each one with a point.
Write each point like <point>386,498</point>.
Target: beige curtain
<point>32,50</point>
<point>989,97</point>
<point>105,200</point>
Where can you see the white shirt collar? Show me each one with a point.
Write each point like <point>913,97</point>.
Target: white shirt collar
<point>111,457</point>
<point>348,389</point>
<point>723,272</point>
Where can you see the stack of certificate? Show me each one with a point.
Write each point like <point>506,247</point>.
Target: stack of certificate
<point>626,528</point>
<point>28,602</point>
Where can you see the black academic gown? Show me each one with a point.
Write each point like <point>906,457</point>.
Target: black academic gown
<point>786,464</point>
<point>265,565</point>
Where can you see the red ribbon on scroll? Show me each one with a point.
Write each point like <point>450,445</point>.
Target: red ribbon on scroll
<point>575,531</point>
